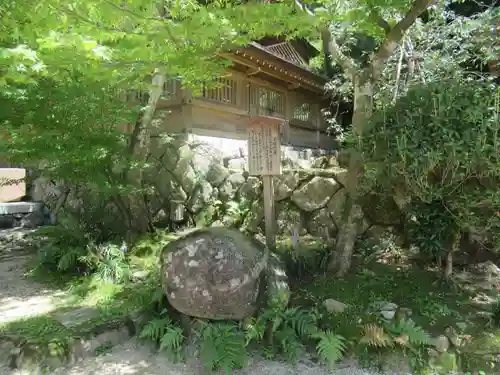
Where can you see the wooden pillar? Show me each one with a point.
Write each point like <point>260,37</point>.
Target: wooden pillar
<point>316,112</point>
<point>289,107</point>
<point>187,110</point>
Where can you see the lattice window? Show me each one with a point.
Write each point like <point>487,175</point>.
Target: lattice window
<point>223,90</point>
<point>303,112</point>
<point>171,87</point>
<point>267,101</point>
<point>131,95</point>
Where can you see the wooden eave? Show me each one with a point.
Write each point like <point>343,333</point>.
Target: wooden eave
<point>296,77</point>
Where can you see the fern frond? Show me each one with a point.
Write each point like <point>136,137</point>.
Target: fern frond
<point>330,347</point>
<point>155,329</point>
<point>416,334</point>
<point>302,321</point>
<point>402,340</point>
<point>255,330</point>
<point>157,295</point>
<point>290,344</point>
<point>68,259</point>
<point>172,342</point>
<point>222,346</point>
<point>375,336</point>
<point>172,339</point>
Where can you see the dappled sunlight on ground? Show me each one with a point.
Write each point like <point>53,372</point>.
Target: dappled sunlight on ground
<point>131,358</point>
<point>20,296</point>
<point>17,308</point>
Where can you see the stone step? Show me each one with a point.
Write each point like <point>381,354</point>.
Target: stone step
<point>12,208</point>
<point>62,338</point>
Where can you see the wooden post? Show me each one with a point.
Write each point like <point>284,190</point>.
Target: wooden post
<point>269,212</point>
<point>264,159</point>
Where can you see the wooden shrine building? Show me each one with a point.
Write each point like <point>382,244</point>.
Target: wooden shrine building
<point>271,78</point>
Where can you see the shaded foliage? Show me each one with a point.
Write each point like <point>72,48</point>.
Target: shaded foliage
<point>439,144</point>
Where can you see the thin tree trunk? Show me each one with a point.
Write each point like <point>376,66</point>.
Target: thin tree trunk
<point>448,262</point>
<point>142,150</point>
<point>364,82</point>
<point>353,215</point>
<point>398,73</point>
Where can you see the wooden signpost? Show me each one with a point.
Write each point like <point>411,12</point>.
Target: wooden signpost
<point>264,159</point>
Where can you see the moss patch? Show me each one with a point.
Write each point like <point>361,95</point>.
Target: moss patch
<point>34,329</point>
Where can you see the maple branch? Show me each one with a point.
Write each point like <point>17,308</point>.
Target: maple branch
<point>394,37</point>
<point>380,21</point>
<point>163,16</point>
<point>334,50</point>
<point>101,27</point>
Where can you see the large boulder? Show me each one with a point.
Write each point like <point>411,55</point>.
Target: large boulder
<point>315,194</point>
<point>214,273</point>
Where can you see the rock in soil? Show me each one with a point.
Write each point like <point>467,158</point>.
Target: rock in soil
<point>215,273</point>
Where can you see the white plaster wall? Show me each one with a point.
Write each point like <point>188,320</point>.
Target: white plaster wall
<point>219,147</point>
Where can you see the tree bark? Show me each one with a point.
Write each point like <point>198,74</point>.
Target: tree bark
<point>364,84</point>
<point>353,215</point>
<point>141,149</point>
<point>448,262</point>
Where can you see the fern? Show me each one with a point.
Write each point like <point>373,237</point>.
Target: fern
<point>155,329</point>
<point>172,341</point>
<point>169,337</point>
<point>406,328</point>
<point>222,346</point>
<point>284,327</point>
<point>289,343</point>
<point>254,329</point>
<point>375,336</point>
<point>330,347</point>
<point>302,321</point>
<point>69,259</point>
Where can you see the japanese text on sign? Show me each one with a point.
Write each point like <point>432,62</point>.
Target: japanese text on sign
<point>264,149</point>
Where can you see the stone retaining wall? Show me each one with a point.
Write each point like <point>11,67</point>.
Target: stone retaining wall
<point>205,181</point>
<point>208,183</point>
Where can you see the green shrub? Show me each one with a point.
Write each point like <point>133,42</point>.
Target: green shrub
<point>496,312</point>
<point>304,260</point>
<point>70,251</point>
<point>438,146</point>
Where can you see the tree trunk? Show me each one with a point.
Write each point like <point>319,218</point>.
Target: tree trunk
<point>364,82</point>
<point>448,262</point>
<point>141,150</point>
<point>353,216</point>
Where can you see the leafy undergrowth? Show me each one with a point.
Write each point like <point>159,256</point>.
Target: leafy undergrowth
<point>421,296</point>
<point>430,306</point>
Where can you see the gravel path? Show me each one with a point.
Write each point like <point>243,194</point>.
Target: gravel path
<point>20,297</point>
<point>131,358</point>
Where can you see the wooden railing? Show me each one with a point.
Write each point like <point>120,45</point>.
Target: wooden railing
<point>223,90</point>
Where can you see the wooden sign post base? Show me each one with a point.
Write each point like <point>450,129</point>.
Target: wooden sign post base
<point>269,211</point>
<point>264,159</point>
